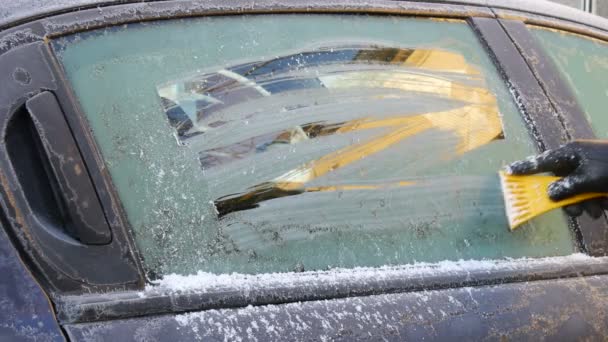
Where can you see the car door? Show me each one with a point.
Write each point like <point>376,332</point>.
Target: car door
<point>576,99</point>
<point>198,178</point>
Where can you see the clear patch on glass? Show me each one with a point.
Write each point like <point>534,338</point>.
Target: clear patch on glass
<point>322,118</point>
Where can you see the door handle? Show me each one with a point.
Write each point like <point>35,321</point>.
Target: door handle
<point>83,210</point>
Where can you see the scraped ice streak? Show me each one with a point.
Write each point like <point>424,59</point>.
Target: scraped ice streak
<point>379,214</point>
<point>332,147</point>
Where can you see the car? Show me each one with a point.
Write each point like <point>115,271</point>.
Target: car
<point>292,170</point>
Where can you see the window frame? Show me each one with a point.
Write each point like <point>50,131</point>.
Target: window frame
<point>592,234</point>
<point>85,302</point>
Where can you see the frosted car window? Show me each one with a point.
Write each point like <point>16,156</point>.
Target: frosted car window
<point>583,62</point>
<point>322,119</point>
<point>304,142</point>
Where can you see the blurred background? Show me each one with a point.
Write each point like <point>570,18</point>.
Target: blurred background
<point>599,7</point>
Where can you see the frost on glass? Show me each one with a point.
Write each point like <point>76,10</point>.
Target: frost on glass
<point>584,64</point>
<point>286,143</point>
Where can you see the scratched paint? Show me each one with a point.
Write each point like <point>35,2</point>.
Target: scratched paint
<point>288,143</point>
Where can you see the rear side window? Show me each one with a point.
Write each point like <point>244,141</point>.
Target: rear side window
<point>281,143</point>
<point>583,62</point>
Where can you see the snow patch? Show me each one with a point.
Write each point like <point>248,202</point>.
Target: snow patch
<point>205,282</point>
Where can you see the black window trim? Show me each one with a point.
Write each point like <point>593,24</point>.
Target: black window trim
<point>593,233</point>
<point>537,19</point>
<point>126,302</point>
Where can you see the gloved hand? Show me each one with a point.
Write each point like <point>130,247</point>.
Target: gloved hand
<point>584,166</point>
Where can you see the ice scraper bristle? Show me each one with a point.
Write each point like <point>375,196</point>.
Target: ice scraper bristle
<point>526,197</point>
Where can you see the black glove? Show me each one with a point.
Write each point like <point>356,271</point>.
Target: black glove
<point>584,166</point>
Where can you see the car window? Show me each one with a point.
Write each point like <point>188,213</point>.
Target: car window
<point>281,143</point>
<point>583,61</point>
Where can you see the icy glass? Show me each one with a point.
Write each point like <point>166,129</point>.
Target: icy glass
<point>583,62</point>
<point>304,142</point>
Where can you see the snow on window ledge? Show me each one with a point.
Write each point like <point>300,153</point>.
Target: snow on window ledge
<point>207,282</point>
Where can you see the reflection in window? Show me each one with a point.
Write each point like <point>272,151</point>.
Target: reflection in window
<point>327,121</point>
<point>296,99</point>
<point>329,68</point>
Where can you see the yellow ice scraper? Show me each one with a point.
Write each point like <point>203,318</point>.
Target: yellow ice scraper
<point>526,197</point>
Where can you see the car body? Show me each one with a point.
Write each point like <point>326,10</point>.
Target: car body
<point>76,242</point>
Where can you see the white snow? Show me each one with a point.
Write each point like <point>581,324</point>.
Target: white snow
<point>205,282</point>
